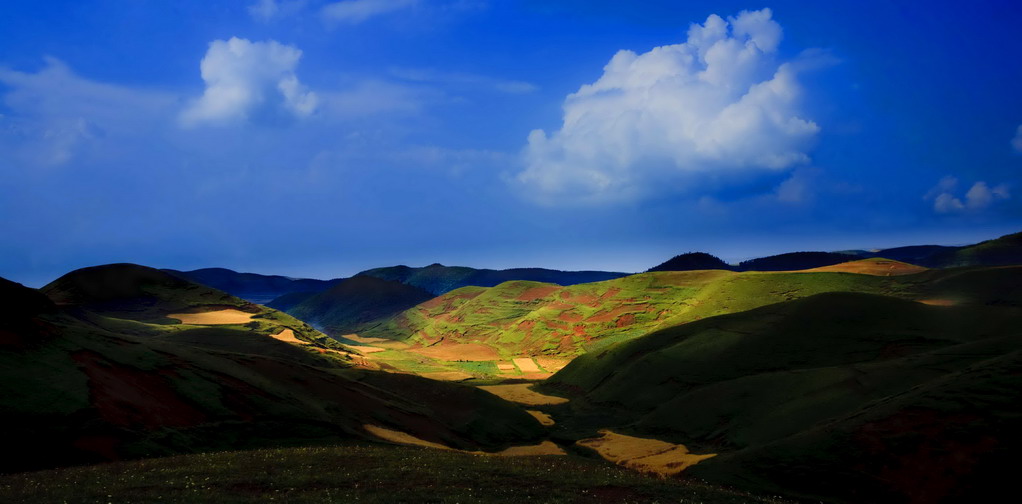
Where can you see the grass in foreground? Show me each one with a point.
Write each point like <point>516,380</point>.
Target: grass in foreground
<point>363,473</point>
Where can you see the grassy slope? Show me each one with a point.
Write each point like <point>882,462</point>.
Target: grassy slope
<point>358,473</point>
<point>528,318</point>
<point>77,386</point>
<point>840,396</point>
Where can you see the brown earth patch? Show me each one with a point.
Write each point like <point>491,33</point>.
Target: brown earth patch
<point>447,375</point>
<point>361,339</point>
<point>521,393</point>
<point>625,320</point>
<point>526,364</point>
<point>543,418</point>
<point>506,366</point>
<point>570,316</point>
<point>130,397</point>
<point>875,267</point>
<point>218,317</point>
<point>544,448</point>
<point>643,454</point>
<point>288,336</point>
<point>537,293</point>
<point>938,302</point>
<point>552,364</point>
<point>366,349</point>
<point>401,437</point>
<point>459,352</point>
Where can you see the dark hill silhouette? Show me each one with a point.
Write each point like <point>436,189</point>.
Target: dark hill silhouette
<point>352,302</point>
<point>793,261</point>
<point>692,261</point>
<point>253,286</point>
<point>438,279</point>
<point>78,386</point>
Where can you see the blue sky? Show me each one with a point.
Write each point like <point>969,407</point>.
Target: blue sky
<point>320,138</point>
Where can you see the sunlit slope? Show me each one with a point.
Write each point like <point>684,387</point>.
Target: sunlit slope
<point>542,319</point>
<point>78,386</point>
<point>838,396</point>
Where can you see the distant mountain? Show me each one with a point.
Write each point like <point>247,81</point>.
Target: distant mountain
<point>794,261</point>
<point>838,397</point>
<point>1003,251</point>
<point>692,261</point>
<point>438,279</point>
<point>100,371</point>
<point>352,302</point>
<point>253,286</point>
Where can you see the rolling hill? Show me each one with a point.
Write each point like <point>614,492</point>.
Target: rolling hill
<point>529,318</point>
<point>439,279</point>
<point>252,286</point>
<point>123,361</point>
<point>692,261</point>
<point>351,303</point>
<point>841,397</point>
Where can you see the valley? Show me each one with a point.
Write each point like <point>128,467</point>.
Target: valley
<point>665,383</point>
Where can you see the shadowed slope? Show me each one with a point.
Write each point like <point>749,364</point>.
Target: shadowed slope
<point>765,390</point>
<point>78,386</point>
<point>345,307</point>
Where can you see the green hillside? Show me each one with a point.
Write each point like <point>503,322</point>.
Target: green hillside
<point>102,377</point>
<point>528,318</point>
<point>838,396</point>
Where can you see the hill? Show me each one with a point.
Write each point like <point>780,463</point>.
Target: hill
<point>358,473</point>
<point>352,302</point>
<point>692,261</point>
<point>794,261</point>
<point>252,286</point>
<point>841,397</point>
<point>439,279</point>
<point>124,361</point>
<point>554,323</point>
<point>1003,251</point>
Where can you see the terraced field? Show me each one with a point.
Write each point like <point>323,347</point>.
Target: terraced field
<point>529,330</point>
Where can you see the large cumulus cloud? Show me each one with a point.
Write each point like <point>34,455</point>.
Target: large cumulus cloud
<point>247,80</point>
<point>718,105</point>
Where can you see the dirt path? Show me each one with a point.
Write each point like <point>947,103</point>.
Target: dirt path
<point>521,393</point>
<point>544,419</point>
<point>643,454</point>
<point>219,317</point>
<point>394,436</point>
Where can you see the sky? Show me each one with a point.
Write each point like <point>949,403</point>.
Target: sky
<point>319,138</point>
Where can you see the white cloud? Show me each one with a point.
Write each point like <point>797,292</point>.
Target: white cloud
<point>979,197</point>
<point>247,79</point>
<point>463,79</point>
<point>264,10</point>
<point>58,117</point>
<point>269,10</point>
<point>357,11</point>
<point>1017,141</point>
<point>719,104</point>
